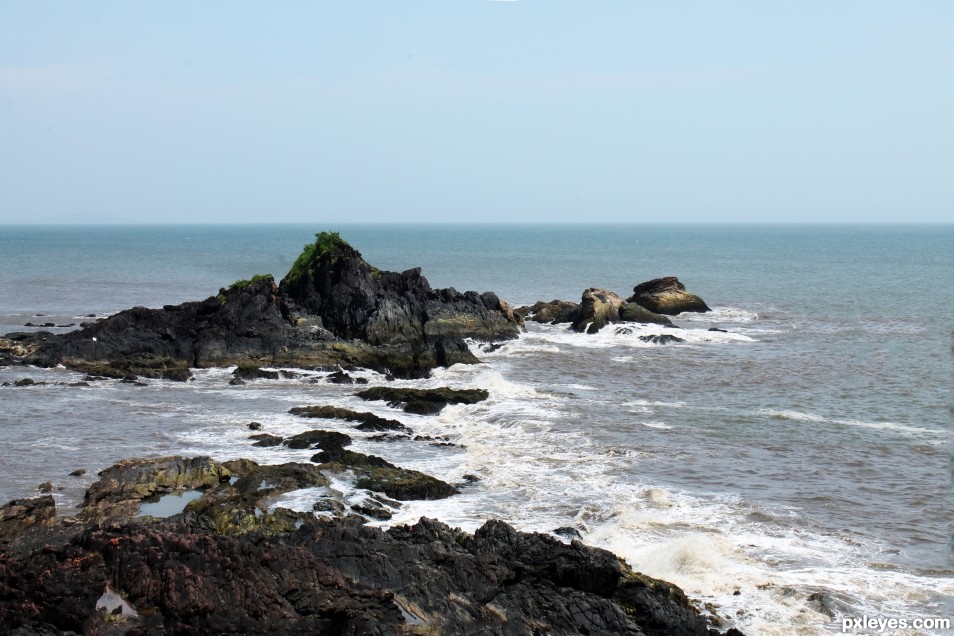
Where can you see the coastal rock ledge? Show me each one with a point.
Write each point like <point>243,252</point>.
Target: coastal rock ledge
<point>331,308</point>
<point>228,563</point>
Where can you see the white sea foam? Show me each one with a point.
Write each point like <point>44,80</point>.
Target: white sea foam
<point>649,403</point>
<point>720,315</point>
<point>800,416</point>
<point>629,335</point>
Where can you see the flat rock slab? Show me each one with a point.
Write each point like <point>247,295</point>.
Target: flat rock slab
<point>423,401</point>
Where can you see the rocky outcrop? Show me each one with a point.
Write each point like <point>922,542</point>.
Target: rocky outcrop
<point>600,307</point>
<point>667,296</point>
<point>332,308</point>
<point>230,564</point>
<point>21,514</point>
<point>553,312</point>
<point>121,488</point>
<point>336,577</point>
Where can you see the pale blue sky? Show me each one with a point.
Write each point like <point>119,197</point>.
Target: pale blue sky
<point>475,110</point>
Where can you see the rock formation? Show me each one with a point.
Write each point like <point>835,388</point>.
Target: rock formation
<point>229,563</point>
<point>667,296</point>
<point>331,308</point>
<point>600,307</point>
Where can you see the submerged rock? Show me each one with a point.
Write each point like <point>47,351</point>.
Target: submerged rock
<point>667,296</point>
<point>368,421</point>
<point>661,339</point>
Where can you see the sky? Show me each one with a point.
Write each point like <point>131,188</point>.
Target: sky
<point>476,111</point>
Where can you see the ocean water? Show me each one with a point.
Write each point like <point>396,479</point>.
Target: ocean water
<point>788,474</point>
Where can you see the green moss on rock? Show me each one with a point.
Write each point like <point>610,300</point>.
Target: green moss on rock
<point>327,246</point>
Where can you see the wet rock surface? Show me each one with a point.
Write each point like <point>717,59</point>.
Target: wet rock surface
<point>423,401</point>
<point>231,564</point>
<point>661,339</point>
<point>367,421</point>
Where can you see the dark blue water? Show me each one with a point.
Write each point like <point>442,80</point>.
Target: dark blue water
<point>808,450</point>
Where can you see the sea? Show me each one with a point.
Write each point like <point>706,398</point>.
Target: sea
<point>791,472</point>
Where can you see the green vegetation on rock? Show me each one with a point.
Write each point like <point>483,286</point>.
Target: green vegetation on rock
<point>242,285</point>
<point>327,245</point>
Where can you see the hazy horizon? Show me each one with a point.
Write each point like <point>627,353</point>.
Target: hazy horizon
<point>519,111</point>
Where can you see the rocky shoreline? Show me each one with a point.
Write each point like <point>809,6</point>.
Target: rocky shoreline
<point>224,561</point>
<point>189,545</point>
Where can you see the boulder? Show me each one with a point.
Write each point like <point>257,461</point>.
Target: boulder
<point>631,312</point>
<point>667,296</point>
<point>553,312</point>
<point>598,308</point>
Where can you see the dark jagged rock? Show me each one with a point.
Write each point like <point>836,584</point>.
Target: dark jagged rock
<point>19,515</point>
<point>368,421</point>
<point>372,510</point>
<point>332,308</point>
<point>667,296</point>
<point>229,565</point>
<point>377,474</point>
<point>253,372</point>
<point>266,440</point>
<point>356,301</point>
<point>343,377</point>
<point>319,439</point>
<point>553,312</point>
<point>568,532</point>
<point>661,339</point>
<point>423,401</point>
